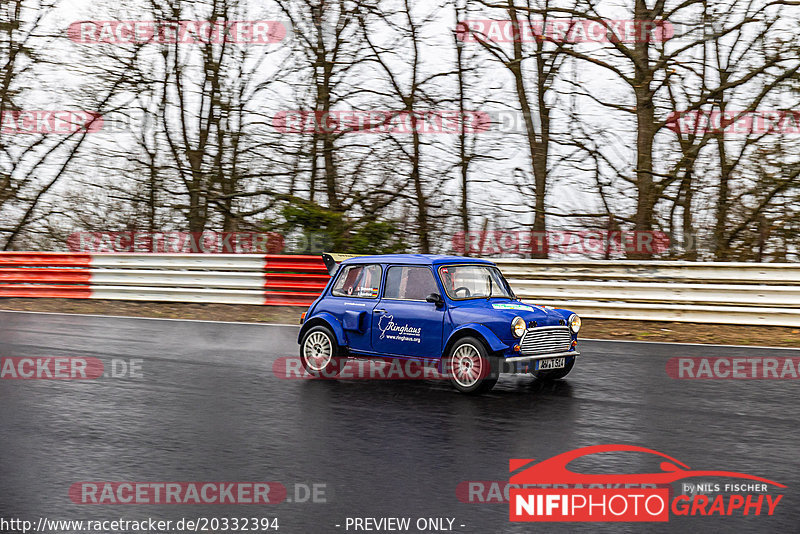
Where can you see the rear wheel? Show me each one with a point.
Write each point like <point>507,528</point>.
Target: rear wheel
<point>320,353</point>
<point>555,374</point>
<point>470,367</point>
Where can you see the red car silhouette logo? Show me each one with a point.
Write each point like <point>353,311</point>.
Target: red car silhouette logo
<point>554,470</point>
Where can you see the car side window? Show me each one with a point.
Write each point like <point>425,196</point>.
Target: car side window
<point>359,281</point>
<point>409,283</point>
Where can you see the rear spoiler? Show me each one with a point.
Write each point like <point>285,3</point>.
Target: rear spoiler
<point>332,260</point>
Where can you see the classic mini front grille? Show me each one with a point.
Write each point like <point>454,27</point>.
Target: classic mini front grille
<point>546,340</point>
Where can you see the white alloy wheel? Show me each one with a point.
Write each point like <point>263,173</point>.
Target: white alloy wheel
<point>318,351</point>
<point>466,365</point>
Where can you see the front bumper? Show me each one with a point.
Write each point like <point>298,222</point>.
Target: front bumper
<point>542,356</point>
<point>524,364</point>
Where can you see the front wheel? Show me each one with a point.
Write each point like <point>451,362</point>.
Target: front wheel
<point>555,374</point>
<point>320,353</point>
<point>470,367</point>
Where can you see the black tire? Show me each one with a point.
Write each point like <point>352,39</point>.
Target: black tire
<point>470,366</point>
<point>555,374</point>
<point>320,354</point>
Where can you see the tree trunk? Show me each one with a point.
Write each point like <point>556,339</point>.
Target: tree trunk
<point>645,134</point>
<point>536,152</point>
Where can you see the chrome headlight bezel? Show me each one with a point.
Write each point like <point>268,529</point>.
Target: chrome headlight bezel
<point>574,323</point>
<point>518,326</point>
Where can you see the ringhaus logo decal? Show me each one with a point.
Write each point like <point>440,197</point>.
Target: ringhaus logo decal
<point>391,330</point>
<point>549,491</point>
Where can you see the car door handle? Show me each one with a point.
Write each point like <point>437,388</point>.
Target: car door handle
<point>379,311</point>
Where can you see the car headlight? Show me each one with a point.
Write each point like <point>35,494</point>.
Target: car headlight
<point>574,323</point>
<point>518,326</point>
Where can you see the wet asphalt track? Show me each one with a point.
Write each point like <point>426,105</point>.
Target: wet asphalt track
<point>208,408</point>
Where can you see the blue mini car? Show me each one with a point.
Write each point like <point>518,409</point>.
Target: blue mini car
<point>459,314</point>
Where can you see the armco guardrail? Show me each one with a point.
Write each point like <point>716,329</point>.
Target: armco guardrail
<point>732,293</point>
<point>728,293</point>
<point>219,278</point>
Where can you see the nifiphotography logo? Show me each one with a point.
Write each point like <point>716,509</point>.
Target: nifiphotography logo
<point>549,491</point>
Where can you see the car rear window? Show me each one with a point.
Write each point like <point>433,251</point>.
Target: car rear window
<point>359,281</point>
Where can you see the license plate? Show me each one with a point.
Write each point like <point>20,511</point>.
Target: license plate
<point>550,363</point>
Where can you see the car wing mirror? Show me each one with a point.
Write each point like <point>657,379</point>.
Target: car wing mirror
<point>435,298</point>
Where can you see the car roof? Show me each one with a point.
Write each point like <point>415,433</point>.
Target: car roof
<point>415,259</point>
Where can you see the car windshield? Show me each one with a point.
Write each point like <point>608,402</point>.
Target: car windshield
<point>473,281</point>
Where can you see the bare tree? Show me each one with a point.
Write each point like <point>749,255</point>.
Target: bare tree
<point>34,155</point>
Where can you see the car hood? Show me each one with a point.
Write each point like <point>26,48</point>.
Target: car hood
<point>497,314</point>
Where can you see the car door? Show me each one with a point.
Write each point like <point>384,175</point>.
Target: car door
<point>353,297</point>
<point>403,323</point>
